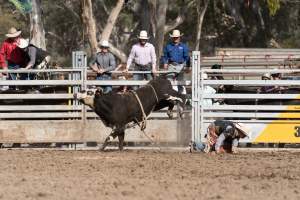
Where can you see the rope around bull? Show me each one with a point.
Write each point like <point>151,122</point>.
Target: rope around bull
<point>143,123</point>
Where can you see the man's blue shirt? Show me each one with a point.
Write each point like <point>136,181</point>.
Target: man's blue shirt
<point>176,53</point>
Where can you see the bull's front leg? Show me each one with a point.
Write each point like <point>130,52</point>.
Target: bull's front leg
<point>179,100</point>
<point>108,139</point>
<point>121,137</point>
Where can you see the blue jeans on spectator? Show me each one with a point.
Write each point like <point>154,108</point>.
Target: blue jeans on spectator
<point>107,88</point>
<point>13,76</point>
<point>140,77</point>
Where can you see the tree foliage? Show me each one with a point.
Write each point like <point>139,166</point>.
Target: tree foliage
<point>226,23</point>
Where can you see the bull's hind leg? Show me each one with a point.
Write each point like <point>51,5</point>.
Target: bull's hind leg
<point>121,137</point>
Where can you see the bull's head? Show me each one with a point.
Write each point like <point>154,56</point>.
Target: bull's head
<point>87,97</point>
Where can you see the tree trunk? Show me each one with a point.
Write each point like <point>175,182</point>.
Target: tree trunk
<point>37,31</point>
<point>201,12</point>
<point>88,21</point>
<point>160,26</point>
<point>111,21</point>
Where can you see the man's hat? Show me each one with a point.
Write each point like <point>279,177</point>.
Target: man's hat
<point>23,43</point>
<point>13,32</point>
<point>143,35</point>
<point>104,43</point>
<point>243,128</point>
<point>176,33</point>
<point>266,75</point>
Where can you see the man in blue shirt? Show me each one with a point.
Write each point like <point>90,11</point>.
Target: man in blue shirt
<point>176,57</point>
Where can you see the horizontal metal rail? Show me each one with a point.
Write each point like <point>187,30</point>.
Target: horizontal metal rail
<point>40,82</point>
<point>65,115</point>
<point>251,96</point>
<point>36,96</point>
<point>286,115</point>
<point>252,107</point>
<point>130,82</point>
<point>41,108</point>
<point>253,82</point>
<point>251,71</point>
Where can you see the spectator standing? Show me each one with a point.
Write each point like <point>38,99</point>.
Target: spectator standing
<point>38,58</point>
<point>103,63</point>
<point>144,57</point>
<point>12,57</point>
<point>176,57</point>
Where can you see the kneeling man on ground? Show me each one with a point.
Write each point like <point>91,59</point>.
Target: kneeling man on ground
<point>223,137</point>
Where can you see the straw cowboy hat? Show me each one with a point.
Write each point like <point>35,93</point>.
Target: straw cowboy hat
<point>143,35</point>
<point>176,33</point>
<point>104,43</point>
<point>13,32</point>
<point>23,43</point>
<point>243,128</point>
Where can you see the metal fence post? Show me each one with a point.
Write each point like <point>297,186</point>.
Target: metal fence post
<point>196,134</point>
<point>80,62</point>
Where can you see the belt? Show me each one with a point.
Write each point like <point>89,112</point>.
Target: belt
<point>147,65</point>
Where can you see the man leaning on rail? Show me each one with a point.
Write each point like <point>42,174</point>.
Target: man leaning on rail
<point>143,55</point>
<point>12,57</point>
<point>103,63</point>
<point>38,58</point>
<point>176,57</point>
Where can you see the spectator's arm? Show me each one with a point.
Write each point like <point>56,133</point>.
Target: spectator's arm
<point>153,58</point>
<point>93,64</point>
<point>32,55</point>
<point>130,57</point>
<point>112,63</point>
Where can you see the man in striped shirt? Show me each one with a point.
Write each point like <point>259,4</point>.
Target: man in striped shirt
<point>144,58</point>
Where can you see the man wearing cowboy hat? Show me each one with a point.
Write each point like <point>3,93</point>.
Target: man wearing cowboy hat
<point>11,56</point>
<point>37,57</point>
<point>176,56</point>
<point>144,57</point>
<point>103,63</point>
<point>223,137</point>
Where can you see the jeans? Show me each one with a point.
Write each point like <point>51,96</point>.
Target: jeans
<point>176,74</point>
<point>12,76</point>
<point>142,76</point>
<point>107,88</point>
<point>199,146</point>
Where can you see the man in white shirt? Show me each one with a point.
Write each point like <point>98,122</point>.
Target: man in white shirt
<point>144,57</point>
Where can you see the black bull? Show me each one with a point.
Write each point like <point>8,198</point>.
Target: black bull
<point>118,110</point>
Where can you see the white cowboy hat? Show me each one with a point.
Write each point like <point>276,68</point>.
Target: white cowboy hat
<point>23,43</point>
<point>176,33</point>
<point>104,43</point>
<point>243,128</point>
<point>205,76</point>
<point>143,35</point>
<point>13,32</point>
<point>266,75</point>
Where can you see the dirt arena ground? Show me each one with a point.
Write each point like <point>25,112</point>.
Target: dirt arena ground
<point>148,174</point>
